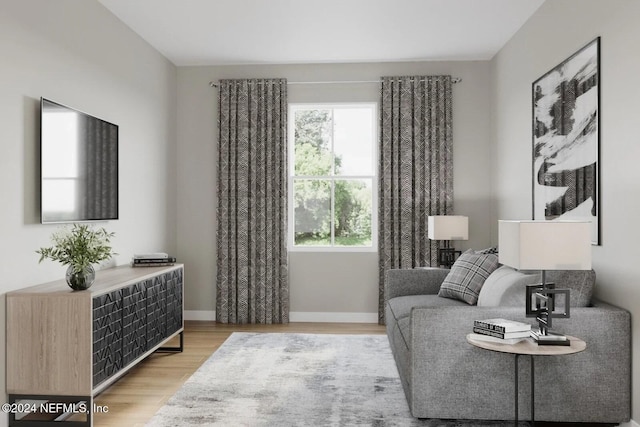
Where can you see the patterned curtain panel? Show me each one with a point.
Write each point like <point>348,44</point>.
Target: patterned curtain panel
<point>416,174</point>
<point>252,272</point>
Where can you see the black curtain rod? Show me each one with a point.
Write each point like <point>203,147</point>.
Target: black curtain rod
<point>453,80</point>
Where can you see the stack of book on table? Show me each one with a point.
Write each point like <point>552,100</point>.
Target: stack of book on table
<point>501,330</point>
<point>152,260</point>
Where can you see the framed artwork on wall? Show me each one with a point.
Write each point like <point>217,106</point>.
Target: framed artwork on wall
<point>566,140</point>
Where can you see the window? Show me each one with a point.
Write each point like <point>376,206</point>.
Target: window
<point>332,183</point>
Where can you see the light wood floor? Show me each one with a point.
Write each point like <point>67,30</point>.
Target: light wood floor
<point>134,399</point>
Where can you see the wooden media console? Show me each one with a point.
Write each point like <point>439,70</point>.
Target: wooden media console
<point>67,346</point>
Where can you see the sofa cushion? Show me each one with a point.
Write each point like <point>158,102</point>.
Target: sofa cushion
<point>401,306</point>
<point>467,276</point>
<point>507,287</point>
<point>581,283</point>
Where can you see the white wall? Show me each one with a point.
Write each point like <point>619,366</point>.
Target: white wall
<point>77,53</point>
<point>320,282</point>
<point>558,29</point>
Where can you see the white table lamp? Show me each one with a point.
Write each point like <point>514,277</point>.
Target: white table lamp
<point>545,245</point>
<point>447,228</point>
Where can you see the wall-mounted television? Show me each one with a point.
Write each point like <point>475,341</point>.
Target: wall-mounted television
<point>78,165</point>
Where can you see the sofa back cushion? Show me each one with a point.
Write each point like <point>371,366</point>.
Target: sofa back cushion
<point>507,287</point>
<point>580,282</point>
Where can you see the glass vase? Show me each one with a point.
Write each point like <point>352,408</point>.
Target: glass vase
<point>80,280</point>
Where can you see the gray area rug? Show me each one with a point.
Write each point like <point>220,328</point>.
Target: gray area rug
<point>280,379</point>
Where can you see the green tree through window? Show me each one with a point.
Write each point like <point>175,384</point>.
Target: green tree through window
<point>332,175</point>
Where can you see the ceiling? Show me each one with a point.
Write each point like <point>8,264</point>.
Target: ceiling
<point>221,32</point>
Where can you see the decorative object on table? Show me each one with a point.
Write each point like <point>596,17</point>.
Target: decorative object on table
<point>447,228</point>
<point>546,245</point>
<point>156,259</point>
<point>79,248</point>
<point>566,140</point>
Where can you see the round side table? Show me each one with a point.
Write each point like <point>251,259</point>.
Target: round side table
<point>528,347</point>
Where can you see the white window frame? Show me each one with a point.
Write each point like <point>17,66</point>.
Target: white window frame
<point>374,179</point>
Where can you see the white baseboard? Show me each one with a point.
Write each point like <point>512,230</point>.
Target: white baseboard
<point>332,317</point>
<point>629,424</point>
<point>299,316</point>
<point>199,315</point>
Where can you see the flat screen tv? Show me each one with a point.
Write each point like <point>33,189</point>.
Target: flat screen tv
<point>79,166</point>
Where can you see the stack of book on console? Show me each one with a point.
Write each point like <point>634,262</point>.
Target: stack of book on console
<point>501,330</point>
<point>152,260</point>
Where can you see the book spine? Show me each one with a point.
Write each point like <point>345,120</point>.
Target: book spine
<point>490,326</point>
<point>151,255</point>
<point>153,260</point>
<point>153,264</point>
<point>490,332</point>
<point>503,335</point>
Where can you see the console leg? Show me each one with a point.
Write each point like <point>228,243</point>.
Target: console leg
<point>178,349</point>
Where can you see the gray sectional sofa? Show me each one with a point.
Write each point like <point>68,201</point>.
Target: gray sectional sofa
<point>445,377</point>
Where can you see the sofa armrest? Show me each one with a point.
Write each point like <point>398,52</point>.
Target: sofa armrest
<point>439,349</point>
<point>413,281</point>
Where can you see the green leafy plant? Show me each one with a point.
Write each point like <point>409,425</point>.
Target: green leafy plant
<point>79,247</point>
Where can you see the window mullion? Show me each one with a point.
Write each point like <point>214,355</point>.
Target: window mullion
<point>333,152</point>
<point>333,182</point>
<point>333,212</point>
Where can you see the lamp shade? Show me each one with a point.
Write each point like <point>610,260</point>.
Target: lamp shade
<point>448,227</point>
<point>545,245</point>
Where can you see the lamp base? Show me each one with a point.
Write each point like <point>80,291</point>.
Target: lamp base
<point>447,256</point>
<point>541,303</point>
<point>550,338</point>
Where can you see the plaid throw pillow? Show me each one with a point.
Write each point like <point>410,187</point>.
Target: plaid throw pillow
<point>467,276</point>
<point>488,251</point>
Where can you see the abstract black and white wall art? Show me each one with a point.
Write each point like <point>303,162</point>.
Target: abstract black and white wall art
<point>566,140</point>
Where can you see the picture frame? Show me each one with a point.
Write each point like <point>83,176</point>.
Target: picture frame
<point>566,140</point>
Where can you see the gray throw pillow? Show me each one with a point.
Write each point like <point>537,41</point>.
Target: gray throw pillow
<point>467,276</point>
